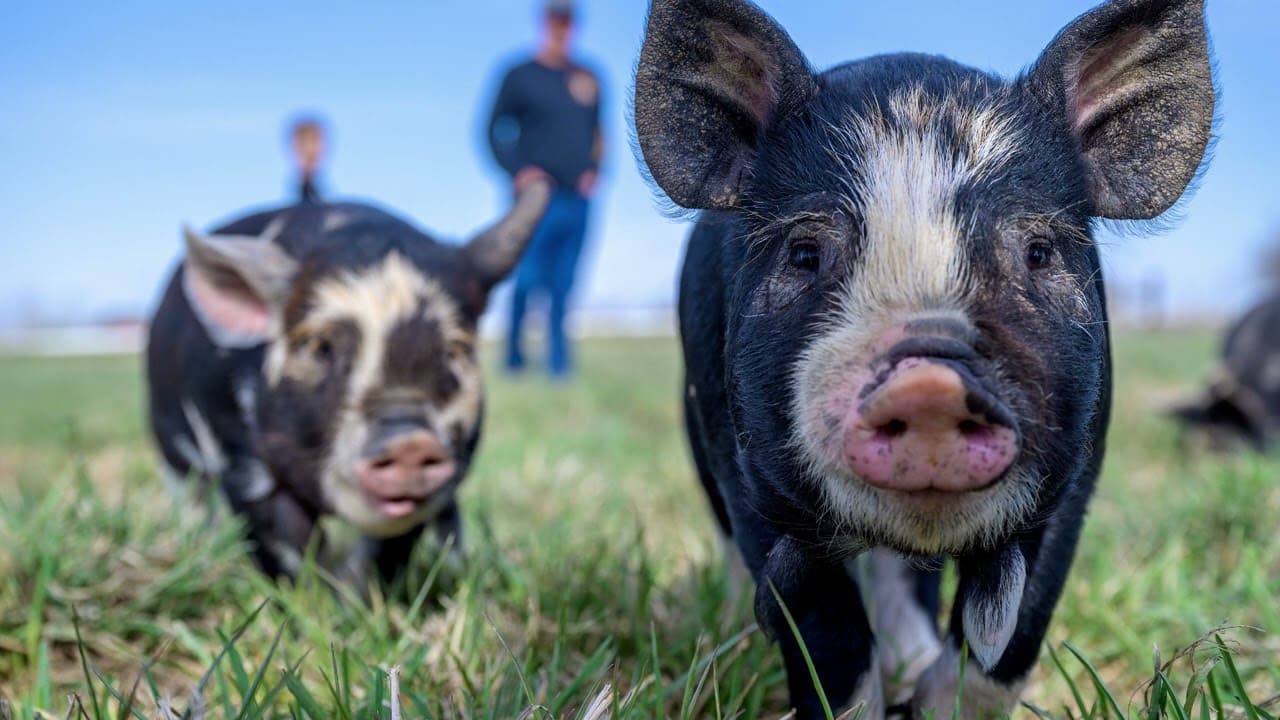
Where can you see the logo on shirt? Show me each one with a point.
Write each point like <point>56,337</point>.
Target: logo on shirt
<point>583,87</point>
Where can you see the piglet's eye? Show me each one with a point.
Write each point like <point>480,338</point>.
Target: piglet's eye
<point>1039,255</point>
<point>805,255</point>
<point>459,350</point>
<point>322,349</point>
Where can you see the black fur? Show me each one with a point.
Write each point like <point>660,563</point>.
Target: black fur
<point>730,121</point>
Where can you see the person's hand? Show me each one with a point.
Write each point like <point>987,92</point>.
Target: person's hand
<point>528,175</point>
<point>587,182</point>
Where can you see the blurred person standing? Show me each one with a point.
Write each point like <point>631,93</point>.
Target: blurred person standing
<point>307,143</point>
<point>546,123</point>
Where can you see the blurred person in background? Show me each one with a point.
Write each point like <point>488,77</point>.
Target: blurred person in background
<point>546,123</point>
<point>307,143</point>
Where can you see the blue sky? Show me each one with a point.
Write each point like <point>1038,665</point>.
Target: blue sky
<point>119,121</point>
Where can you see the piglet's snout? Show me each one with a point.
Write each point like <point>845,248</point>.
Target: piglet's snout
<point>929,426</point>
<point>400,471</point>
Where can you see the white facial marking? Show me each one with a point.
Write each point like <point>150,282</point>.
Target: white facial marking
<point>982,698</point>
<point>902,175</point>
<point>376,299</point>
<point>464,408</point>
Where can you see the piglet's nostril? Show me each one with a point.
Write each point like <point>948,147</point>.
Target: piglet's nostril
<point>894,428</point>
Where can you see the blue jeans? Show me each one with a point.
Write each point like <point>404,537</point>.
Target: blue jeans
<point>549,265</point>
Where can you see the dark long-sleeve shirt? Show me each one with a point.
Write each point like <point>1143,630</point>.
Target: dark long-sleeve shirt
<point>548,118</point>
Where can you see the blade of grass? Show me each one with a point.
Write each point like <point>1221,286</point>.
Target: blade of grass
<point>1216,695</point>
<point>689,679</point>
<point>720,650</point>
<point>1155,706</point>
<point>125,704</point>
<point>804,652</point>
<point>84,664</point>
<point>1038,711</point>
<point>35,612</point>
<point>597,661</point>
<point>133,691</point>
<point>198,692</point>
<point>249,701</point>
<point>303,696</point>
<point>340,687</point>
<point>964,666</point>
<point>1071,683</point>
<point>43,691</point>
<point>692,699</point>
<point>1171,695</point>
<point>1195,686</point>
<point>273,693</point>
<point>1103,691</point>
<point>515,663</point>
<point>1237,682</point>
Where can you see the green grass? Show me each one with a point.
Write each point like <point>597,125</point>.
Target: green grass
<point>593,585</point>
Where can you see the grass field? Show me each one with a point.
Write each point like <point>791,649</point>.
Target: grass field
<point>593,585</point>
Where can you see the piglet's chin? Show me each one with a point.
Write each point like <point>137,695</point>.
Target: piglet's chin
<point>388,518</point>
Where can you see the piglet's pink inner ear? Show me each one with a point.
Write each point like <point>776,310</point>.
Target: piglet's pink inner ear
<point>236,285</point>
<point>228,307</point>
<point>1135,82</point>
<point>1100,81</point>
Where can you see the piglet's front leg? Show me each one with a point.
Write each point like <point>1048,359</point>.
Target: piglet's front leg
<point>986,618</point>
<point>824,602</point>
<point>279,528</point>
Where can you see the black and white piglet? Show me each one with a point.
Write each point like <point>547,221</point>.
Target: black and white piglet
<point>894,324</point>
<point>321,359</point>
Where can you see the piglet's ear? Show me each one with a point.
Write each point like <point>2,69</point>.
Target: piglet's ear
<point>236,285</point>
<point>713,75</point>
<point>1134,79</point>
<point>495,251</point>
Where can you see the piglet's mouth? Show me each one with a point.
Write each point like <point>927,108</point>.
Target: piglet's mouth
<point>397,507</point>
<point>398,492</point>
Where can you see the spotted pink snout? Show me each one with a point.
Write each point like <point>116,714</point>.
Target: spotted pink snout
<point>405,472</point>
<point>918,430</point>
